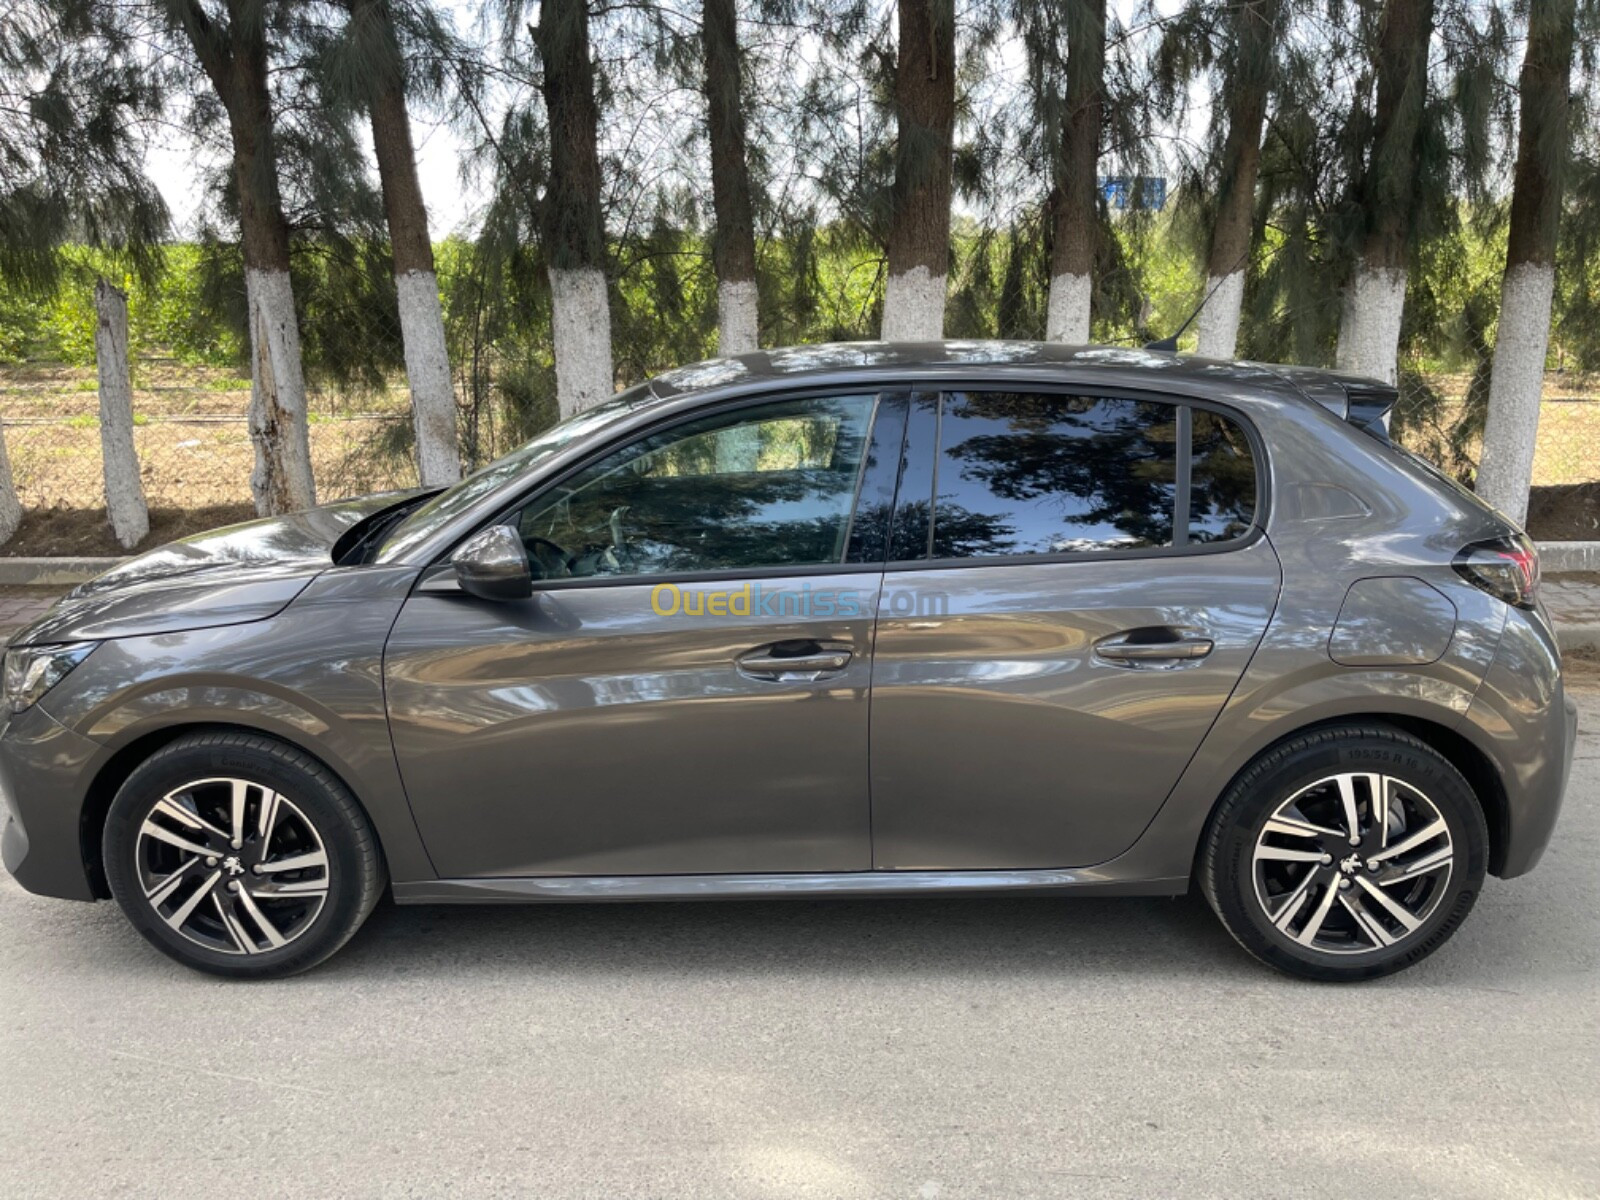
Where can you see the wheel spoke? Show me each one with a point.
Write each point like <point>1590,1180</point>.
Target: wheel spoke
<point>1426,834</point>
<point>1380,807</point>
<point>1441,857</point>
<point>1347,797</point>
<point>269,818</point>
<point>1376,933</point>
<point>162,834</point>
<point>268,929</point>
<point>184,910</point>
<point>1313,926</point>
<point>300,862</point>
<point>162,892</point>
<point>187,817</point>
<point>1296,827</point>
<point>241,796</point>
<point>1388,904</point>
<point>1279,854</point>
<point>281,891</point>
<point>1296,900</point>
<point>231,923</point>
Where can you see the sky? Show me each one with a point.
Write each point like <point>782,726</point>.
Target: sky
<point>177,165</point>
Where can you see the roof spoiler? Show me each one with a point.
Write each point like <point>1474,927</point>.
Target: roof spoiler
<point>1365,403</point>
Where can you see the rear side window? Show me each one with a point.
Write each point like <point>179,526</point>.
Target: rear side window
<point>1222,477</point>
<point>1019,473</point>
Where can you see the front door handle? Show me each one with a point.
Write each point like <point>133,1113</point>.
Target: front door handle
<point>798,660</point>
<point>1141,649</point>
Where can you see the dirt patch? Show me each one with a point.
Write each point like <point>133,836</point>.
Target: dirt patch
<point>86,533</point>
<point>1581,666</point>
<point>1568,513</point>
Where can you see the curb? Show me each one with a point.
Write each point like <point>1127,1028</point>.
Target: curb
<point>44,572</point>
<point>1577,637</point>
<point>1557,558</point>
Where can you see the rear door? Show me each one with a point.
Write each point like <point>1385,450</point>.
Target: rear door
<point>686,691</point>
<point>1076,584</point>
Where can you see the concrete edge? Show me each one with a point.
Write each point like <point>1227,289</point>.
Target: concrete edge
<point>45,572</point>
<point>1573,636</point>
<point>1556,558</point>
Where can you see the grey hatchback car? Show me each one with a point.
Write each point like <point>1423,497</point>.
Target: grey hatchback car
<point>837,620</point>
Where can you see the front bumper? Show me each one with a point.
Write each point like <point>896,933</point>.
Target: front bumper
<point>44,772</point>
<point>1524,718</point>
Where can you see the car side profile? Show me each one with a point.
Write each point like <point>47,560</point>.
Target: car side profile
<point>866,619</point>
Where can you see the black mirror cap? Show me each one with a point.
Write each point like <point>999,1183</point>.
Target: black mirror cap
<point>493,564</point>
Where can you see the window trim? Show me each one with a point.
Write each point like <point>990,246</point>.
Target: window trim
<point>1184,405</point>
<point>439,574</point>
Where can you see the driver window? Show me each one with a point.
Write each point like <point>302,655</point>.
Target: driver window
<point>765,486</point>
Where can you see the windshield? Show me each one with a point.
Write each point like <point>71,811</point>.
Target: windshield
<point>451,503</point>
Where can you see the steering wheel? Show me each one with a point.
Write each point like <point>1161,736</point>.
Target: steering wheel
<point>557,564</point>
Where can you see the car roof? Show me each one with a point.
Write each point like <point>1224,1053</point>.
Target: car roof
<point>907,362</point>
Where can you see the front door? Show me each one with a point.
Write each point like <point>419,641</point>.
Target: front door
<point>686,691</point>
<point>1049,653</point>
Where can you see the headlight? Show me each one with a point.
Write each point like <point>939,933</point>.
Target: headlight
<point>31,671</point>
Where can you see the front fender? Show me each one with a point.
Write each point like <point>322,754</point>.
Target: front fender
<point>311,676</point>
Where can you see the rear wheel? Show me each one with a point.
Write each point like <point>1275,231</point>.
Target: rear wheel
<point>1345,854</point>
<point>238,855</point>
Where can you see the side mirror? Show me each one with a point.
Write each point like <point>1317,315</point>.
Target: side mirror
<point>493,565</point>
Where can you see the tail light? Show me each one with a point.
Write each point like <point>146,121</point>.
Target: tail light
<point>1507,568</point>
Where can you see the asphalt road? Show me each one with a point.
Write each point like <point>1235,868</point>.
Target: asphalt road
<point>982,1048</point>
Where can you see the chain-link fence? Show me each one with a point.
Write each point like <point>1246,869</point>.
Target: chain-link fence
<point>196,455</point>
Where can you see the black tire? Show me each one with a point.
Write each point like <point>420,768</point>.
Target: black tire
<point>353,873</point>
<point>1228,872</point>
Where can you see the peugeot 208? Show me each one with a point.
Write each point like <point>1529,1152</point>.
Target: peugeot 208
<point>842,620</point>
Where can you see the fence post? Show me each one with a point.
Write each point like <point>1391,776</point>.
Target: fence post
<point>130,519</point>
<point>10,506</point>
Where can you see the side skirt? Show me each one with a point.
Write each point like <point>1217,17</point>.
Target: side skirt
<point>555,888</point>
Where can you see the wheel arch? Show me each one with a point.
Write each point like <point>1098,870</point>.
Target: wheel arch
<point>125,759</point>
<point>1459,751</point>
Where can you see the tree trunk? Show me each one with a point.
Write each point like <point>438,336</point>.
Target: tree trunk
<point>734,243</point>
<point>1227,263</point>
<point>125,504</point>
<point>1516,381</point>
<point>580,314</point>
<point>1075,210</point>
<point>10,506</point>
<point>919,221</point>
<point>1374,300</point>
<point>433,396</point>
<point>234,57</point>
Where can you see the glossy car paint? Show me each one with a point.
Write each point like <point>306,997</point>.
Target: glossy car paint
<point>550,700</point>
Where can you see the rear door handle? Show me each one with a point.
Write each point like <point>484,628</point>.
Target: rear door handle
<point>1131,650</point>
<point>797,660</point>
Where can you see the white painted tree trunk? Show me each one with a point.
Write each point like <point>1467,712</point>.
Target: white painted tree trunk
<point>281,481</point>
<point>433,393</point>
<point>10,506</point>
<point>1369,326</point>
<point>1219,319</point>
<point>1067,317</point>
<point>738,305</point>
<point>1516,385</point>
<point>125,503</point>
<point>913,306</point>
<point>580,318</point>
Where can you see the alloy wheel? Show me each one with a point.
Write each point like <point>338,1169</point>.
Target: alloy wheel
<point>1353,863</point>
<point>232,866</point>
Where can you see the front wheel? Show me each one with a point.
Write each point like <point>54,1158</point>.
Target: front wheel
<point>1345,854</point>
<point>238,855</point>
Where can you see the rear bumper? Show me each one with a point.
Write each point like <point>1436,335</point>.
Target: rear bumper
<point>43,769</point>
<point>1527,723</point>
